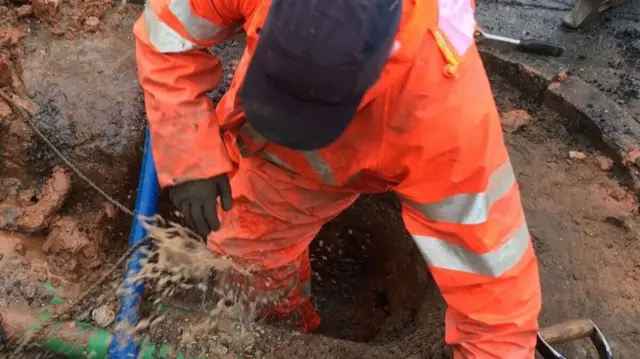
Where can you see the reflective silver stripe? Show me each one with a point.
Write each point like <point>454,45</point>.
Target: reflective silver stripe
<point>470,208</point>
<point>276,160</point>
<point>198,27</point>
<point>162,37</point>
<point>442,254</point>
<point>320,166</point>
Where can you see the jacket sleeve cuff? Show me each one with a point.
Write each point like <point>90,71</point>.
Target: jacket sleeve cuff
<point>188,150</point>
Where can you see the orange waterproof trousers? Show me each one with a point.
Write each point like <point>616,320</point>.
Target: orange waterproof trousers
<point>427,130</point>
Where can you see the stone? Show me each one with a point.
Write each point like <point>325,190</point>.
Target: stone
<point>103,316</point>
<point>24,11</point>
<point>577,155</point>
<point>605,163</point>
<point>513,120</point>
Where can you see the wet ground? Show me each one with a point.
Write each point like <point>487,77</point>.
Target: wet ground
<point>605,53</point>
<point>369,283</point>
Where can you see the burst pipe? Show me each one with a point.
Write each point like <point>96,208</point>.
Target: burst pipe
<point>123,345</point>
<point>74,339</point>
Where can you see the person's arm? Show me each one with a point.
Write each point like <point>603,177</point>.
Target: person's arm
<point>464,212</point>
<point>176,71</point>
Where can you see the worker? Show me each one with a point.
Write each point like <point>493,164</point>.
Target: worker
<point>585,11</point>
<point>332,99</point>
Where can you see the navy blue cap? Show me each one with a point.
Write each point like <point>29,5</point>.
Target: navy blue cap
<point>314,61</point>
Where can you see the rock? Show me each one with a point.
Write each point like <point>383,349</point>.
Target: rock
<point>561,76</point>
<point>46,10</point>
<point>513,120</point>
<point>84,316</point>
<point>58,30</point>
<point>577,155</point>
<point>6,66</point>
<point>110,210</point>
<point>55,282</point>
<point>234,65</point>
<point>605,163</point>
<point>24,11</point>
<point>19,248</point>
<point>92,24</point>
<point>5,110</point>
<point>103,316</point>
<point>29,291</point>
<point>11,36</point>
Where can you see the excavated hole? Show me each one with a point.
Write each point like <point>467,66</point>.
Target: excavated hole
<point>369,279</point>
<point>368,276</point>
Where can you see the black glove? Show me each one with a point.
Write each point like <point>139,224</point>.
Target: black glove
<point>197,200</point>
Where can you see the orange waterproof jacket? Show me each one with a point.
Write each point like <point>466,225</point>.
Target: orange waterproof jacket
<point>434,140</point>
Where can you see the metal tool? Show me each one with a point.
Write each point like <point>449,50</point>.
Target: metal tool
<point>569,331</point>
<point>524,45</point>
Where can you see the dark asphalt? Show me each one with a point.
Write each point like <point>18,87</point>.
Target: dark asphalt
<point>605,53</point>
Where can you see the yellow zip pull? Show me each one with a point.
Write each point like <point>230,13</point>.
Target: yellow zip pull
<point>451,69</point>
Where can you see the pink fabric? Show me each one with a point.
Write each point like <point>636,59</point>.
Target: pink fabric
<point>457,23</point>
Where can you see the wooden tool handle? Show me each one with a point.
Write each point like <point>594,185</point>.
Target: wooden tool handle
<point>567,331</point>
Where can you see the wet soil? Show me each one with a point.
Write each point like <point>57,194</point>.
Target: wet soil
<point>84,97</point>
<point>90,102</point>
<point>57,236</point>
<point>369,283</point>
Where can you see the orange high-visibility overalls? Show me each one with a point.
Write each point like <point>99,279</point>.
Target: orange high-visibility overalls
<point>427,130</point>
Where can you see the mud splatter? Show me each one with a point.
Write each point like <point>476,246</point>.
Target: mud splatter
<point>178,261</point>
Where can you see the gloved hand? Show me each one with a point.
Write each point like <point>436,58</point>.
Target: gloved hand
<point>197,200</point>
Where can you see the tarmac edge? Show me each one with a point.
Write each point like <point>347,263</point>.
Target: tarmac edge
<point>610,126</point>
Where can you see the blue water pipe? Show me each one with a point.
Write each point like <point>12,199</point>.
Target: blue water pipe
<point>123,345</point>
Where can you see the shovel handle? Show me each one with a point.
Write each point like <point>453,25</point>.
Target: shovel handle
<point>540,48</point>
<point>567,331</point>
